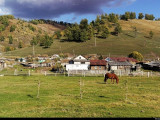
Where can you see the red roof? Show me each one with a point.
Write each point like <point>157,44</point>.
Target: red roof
<point>98,62</point>
<point>124,59</point>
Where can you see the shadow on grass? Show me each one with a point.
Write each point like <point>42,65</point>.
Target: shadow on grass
<point>73,41</point>
<point>103,97</point>
<point>101,83</point>
<point>30,96</point>
<point>130,35</point>
<point>147,37</point>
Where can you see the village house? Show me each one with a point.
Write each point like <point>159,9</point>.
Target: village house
<point>122,63</point>
<point>22,60</point>
<point>64,62</point>
<point>116,65</point>
<point>55,56</point>
<point>98,64</point>
<point>3,65</point>
<point>79,63</point>
<point>69,56</point>
<point>153,65</point>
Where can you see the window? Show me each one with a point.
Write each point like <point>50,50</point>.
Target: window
<point>100,67</point>
<point>95,67</point>
<point>79,57</point>
<point>82,62</point>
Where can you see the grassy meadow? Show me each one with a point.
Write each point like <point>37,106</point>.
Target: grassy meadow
<point>60,97</point>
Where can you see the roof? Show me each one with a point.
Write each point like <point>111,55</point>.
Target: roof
<point>81,60</point>
<point>123,59</point>
<point>98,62</point>
<point>117,63</point>
<point>64,61</point>
<point>154,63</point>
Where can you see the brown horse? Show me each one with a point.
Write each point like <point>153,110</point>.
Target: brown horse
<point>111,76</point>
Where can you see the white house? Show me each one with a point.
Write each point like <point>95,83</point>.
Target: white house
<point>55,56</point>
<point>79,63</point>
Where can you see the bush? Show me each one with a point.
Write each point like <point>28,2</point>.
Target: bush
<point>2,38</point>
<point>10,39</point>
<point>136,55</point>
<point>12,28</point>
<point>2,28</point>
<point>31,27</point>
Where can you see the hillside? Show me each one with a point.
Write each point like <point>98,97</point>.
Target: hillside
<point>24,32</point>
<point>120,45</point>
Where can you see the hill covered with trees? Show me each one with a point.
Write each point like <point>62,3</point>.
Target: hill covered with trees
<point>117,35</point>
<point>17,33</point>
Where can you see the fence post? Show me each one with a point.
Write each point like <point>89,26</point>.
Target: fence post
<point>38,89</point>
<point>148,74</point>
<point>126,90</point>
<point>81,92</point>
<point>45,73</point>
<point>15,72</point>
<point>29,73</point>
<point>120,73</point>
<point>68,73</point>
<point>142,73</point>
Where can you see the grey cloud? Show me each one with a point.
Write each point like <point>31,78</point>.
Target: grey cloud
<point>55,8</point>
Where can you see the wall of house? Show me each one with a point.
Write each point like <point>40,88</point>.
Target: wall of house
<point>76,67</point>
<point>98,68</point>
<point>114,67</point>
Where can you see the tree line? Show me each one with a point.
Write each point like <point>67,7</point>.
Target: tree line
<point>100,27</point>
<point>42,40</point>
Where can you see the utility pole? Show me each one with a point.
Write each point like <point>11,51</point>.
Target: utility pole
<point>33,56</point>
<point>95,41</point>
<point>33,51</point>
<point>73,52</point>
<point>61,49</point>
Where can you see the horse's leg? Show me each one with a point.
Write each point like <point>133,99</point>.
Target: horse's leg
<point>105,79</point>
<point>112,81</point>
<point>117,81</point>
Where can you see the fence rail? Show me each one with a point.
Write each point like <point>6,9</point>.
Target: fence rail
<point>79,73</point>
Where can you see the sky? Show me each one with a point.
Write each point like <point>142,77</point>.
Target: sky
<point>74,10</point>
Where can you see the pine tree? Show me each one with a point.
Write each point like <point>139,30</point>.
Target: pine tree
<point>127,15</point>
<point>151,34</point>
<point>118,29</point>
<point>83,36</point>
<point>20,45</point>
<point>141,16</point>
<point>10,39</point>
<point>105,32</point>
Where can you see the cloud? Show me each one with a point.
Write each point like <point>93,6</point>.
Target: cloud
<point>2,2</point>
<point>55,8</point>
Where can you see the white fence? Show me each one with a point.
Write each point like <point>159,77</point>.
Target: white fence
<point>79,73</point>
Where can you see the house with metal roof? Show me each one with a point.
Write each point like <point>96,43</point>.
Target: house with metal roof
<point>117,65</point>
<point>153,65</point>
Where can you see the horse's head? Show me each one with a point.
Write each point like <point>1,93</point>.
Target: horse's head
<point>117,80</point>
<point>105,78</point>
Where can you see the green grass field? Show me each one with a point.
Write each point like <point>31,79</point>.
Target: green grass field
<point>60,97</point>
